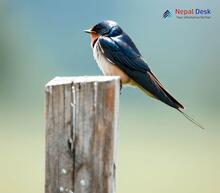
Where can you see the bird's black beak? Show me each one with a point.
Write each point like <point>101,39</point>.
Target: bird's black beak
<point>89,31</point>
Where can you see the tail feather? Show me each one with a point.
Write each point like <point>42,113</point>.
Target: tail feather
<point>153,87</point>
<point>158,84</point>
<point>191,119</point>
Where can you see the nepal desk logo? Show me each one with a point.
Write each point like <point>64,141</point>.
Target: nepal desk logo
<point>167,14</point>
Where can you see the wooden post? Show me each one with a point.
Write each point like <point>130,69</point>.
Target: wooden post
<point>81,134</point>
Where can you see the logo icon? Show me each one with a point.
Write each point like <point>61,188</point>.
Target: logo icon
<point>167,14</point>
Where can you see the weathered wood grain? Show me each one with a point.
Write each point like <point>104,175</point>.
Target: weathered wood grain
<point>81,134</point>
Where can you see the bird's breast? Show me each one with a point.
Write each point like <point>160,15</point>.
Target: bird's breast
<point>107,67</point>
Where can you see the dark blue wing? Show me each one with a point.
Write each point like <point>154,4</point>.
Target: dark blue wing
<point>125,38</point>
<point>130,61</point>
<point>118,50</point>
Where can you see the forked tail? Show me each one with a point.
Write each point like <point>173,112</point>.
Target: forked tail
<point>191,119</point>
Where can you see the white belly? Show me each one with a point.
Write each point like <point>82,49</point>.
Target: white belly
<point>106,66</point>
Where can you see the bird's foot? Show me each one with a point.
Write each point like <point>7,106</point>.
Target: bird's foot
<point>120,87</point>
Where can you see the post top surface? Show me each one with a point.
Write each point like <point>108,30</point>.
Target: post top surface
<point>80,79</point>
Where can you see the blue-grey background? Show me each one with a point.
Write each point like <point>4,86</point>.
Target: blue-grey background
<point>159,150</point>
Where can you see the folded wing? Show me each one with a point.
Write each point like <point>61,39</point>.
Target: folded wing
<point>131,62</point>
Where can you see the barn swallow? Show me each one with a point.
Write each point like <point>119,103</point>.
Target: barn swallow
<point>117,55</point>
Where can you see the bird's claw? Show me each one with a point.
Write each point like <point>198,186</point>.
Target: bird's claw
<point>120,87</point>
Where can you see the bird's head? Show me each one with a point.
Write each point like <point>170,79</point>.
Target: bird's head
<point>106,28</point>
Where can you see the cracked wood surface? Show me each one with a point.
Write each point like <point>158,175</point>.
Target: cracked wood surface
<point>81,134</point>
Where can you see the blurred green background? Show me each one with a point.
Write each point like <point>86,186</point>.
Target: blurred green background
<point>159,150</point>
